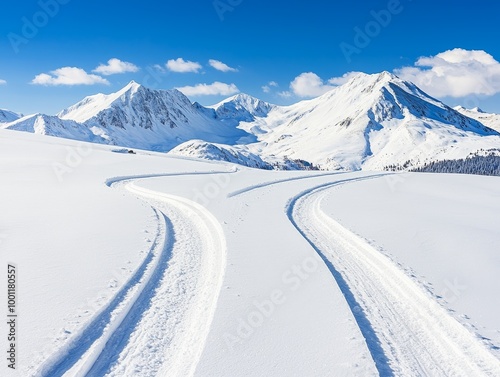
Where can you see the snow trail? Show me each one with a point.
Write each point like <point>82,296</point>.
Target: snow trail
<point>172,334</point>
<point>407,332</point>
<point>98,329</point>
<point>158,322</point>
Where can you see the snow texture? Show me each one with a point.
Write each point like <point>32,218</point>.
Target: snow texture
<point>148,264</point>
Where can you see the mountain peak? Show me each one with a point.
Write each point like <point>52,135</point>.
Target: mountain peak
<point>388,75</point>
<point>92,105</point>
<point>238,98</point>
<point>132,87</point>
<point>242,107</point>
<point>384,77</point>
<point>367,83</point>
<point>244,96</point>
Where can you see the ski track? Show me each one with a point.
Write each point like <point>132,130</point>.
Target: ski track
<point>158,321</point>
<point>66,358</point>
<point>111,181</point>
<point>407,332</point>
<point>272,183</point>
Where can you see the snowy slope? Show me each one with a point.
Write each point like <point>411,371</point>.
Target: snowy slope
<point>149,265</point>
<point>238,154</point>
<point>53,126</point>
<point>220,152</point>
<point>387,301</point>
<point>370,122</point>
<point>150,119</point>
<point>7,116</point>
<point>428,219</point>
<point>489,120</point>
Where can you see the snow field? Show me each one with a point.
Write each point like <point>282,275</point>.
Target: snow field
<point>416,335</point>
<point>149,265</point>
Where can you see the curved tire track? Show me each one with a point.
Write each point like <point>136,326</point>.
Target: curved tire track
<point>118,330</point>
<point>407,332</point>
<point>98,328</point>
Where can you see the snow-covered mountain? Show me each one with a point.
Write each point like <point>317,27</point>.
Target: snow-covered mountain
<point>371,122</point>
<point>488,119</point>
<point>237,154</point>
<point>53,126</point>
<point>159,120</point>
<point>7,116</point>
<point>220,152</point>
<point>242,108</point>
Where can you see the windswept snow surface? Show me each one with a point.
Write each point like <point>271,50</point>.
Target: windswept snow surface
<point>152,265</point>
<point>443,229</point>
<point>389,305</point>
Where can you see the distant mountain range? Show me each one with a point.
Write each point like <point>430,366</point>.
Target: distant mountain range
<point>371,122</point>
<point>489,120</point>
<point>8,116</point>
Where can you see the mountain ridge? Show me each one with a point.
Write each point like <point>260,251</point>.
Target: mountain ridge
<point>7,116</point>
<point>490,120</point>
<point>370,122</point>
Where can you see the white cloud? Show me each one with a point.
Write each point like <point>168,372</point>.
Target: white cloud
<point>68,76</point>
<point>271,84</point>
<point>217,88</point>
<point>220,66</point>
<point>455,73</point>
<point>344,78</point>
<point>309,84</point>
<point>183,66</point>
<point>115,66</point>
<point>285,94</point>
<point>3,82</point>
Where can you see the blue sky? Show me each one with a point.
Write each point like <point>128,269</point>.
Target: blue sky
<point>281,51</point>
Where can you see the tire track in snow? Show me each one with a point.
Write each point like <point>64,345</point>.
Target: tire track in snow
<point>97,349</point>
<point>373,343</point>
<point>276,182</point>
<point>407,332</point>
<point>66,358</point>
<point>121,179</point>
<point>171,336</point>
